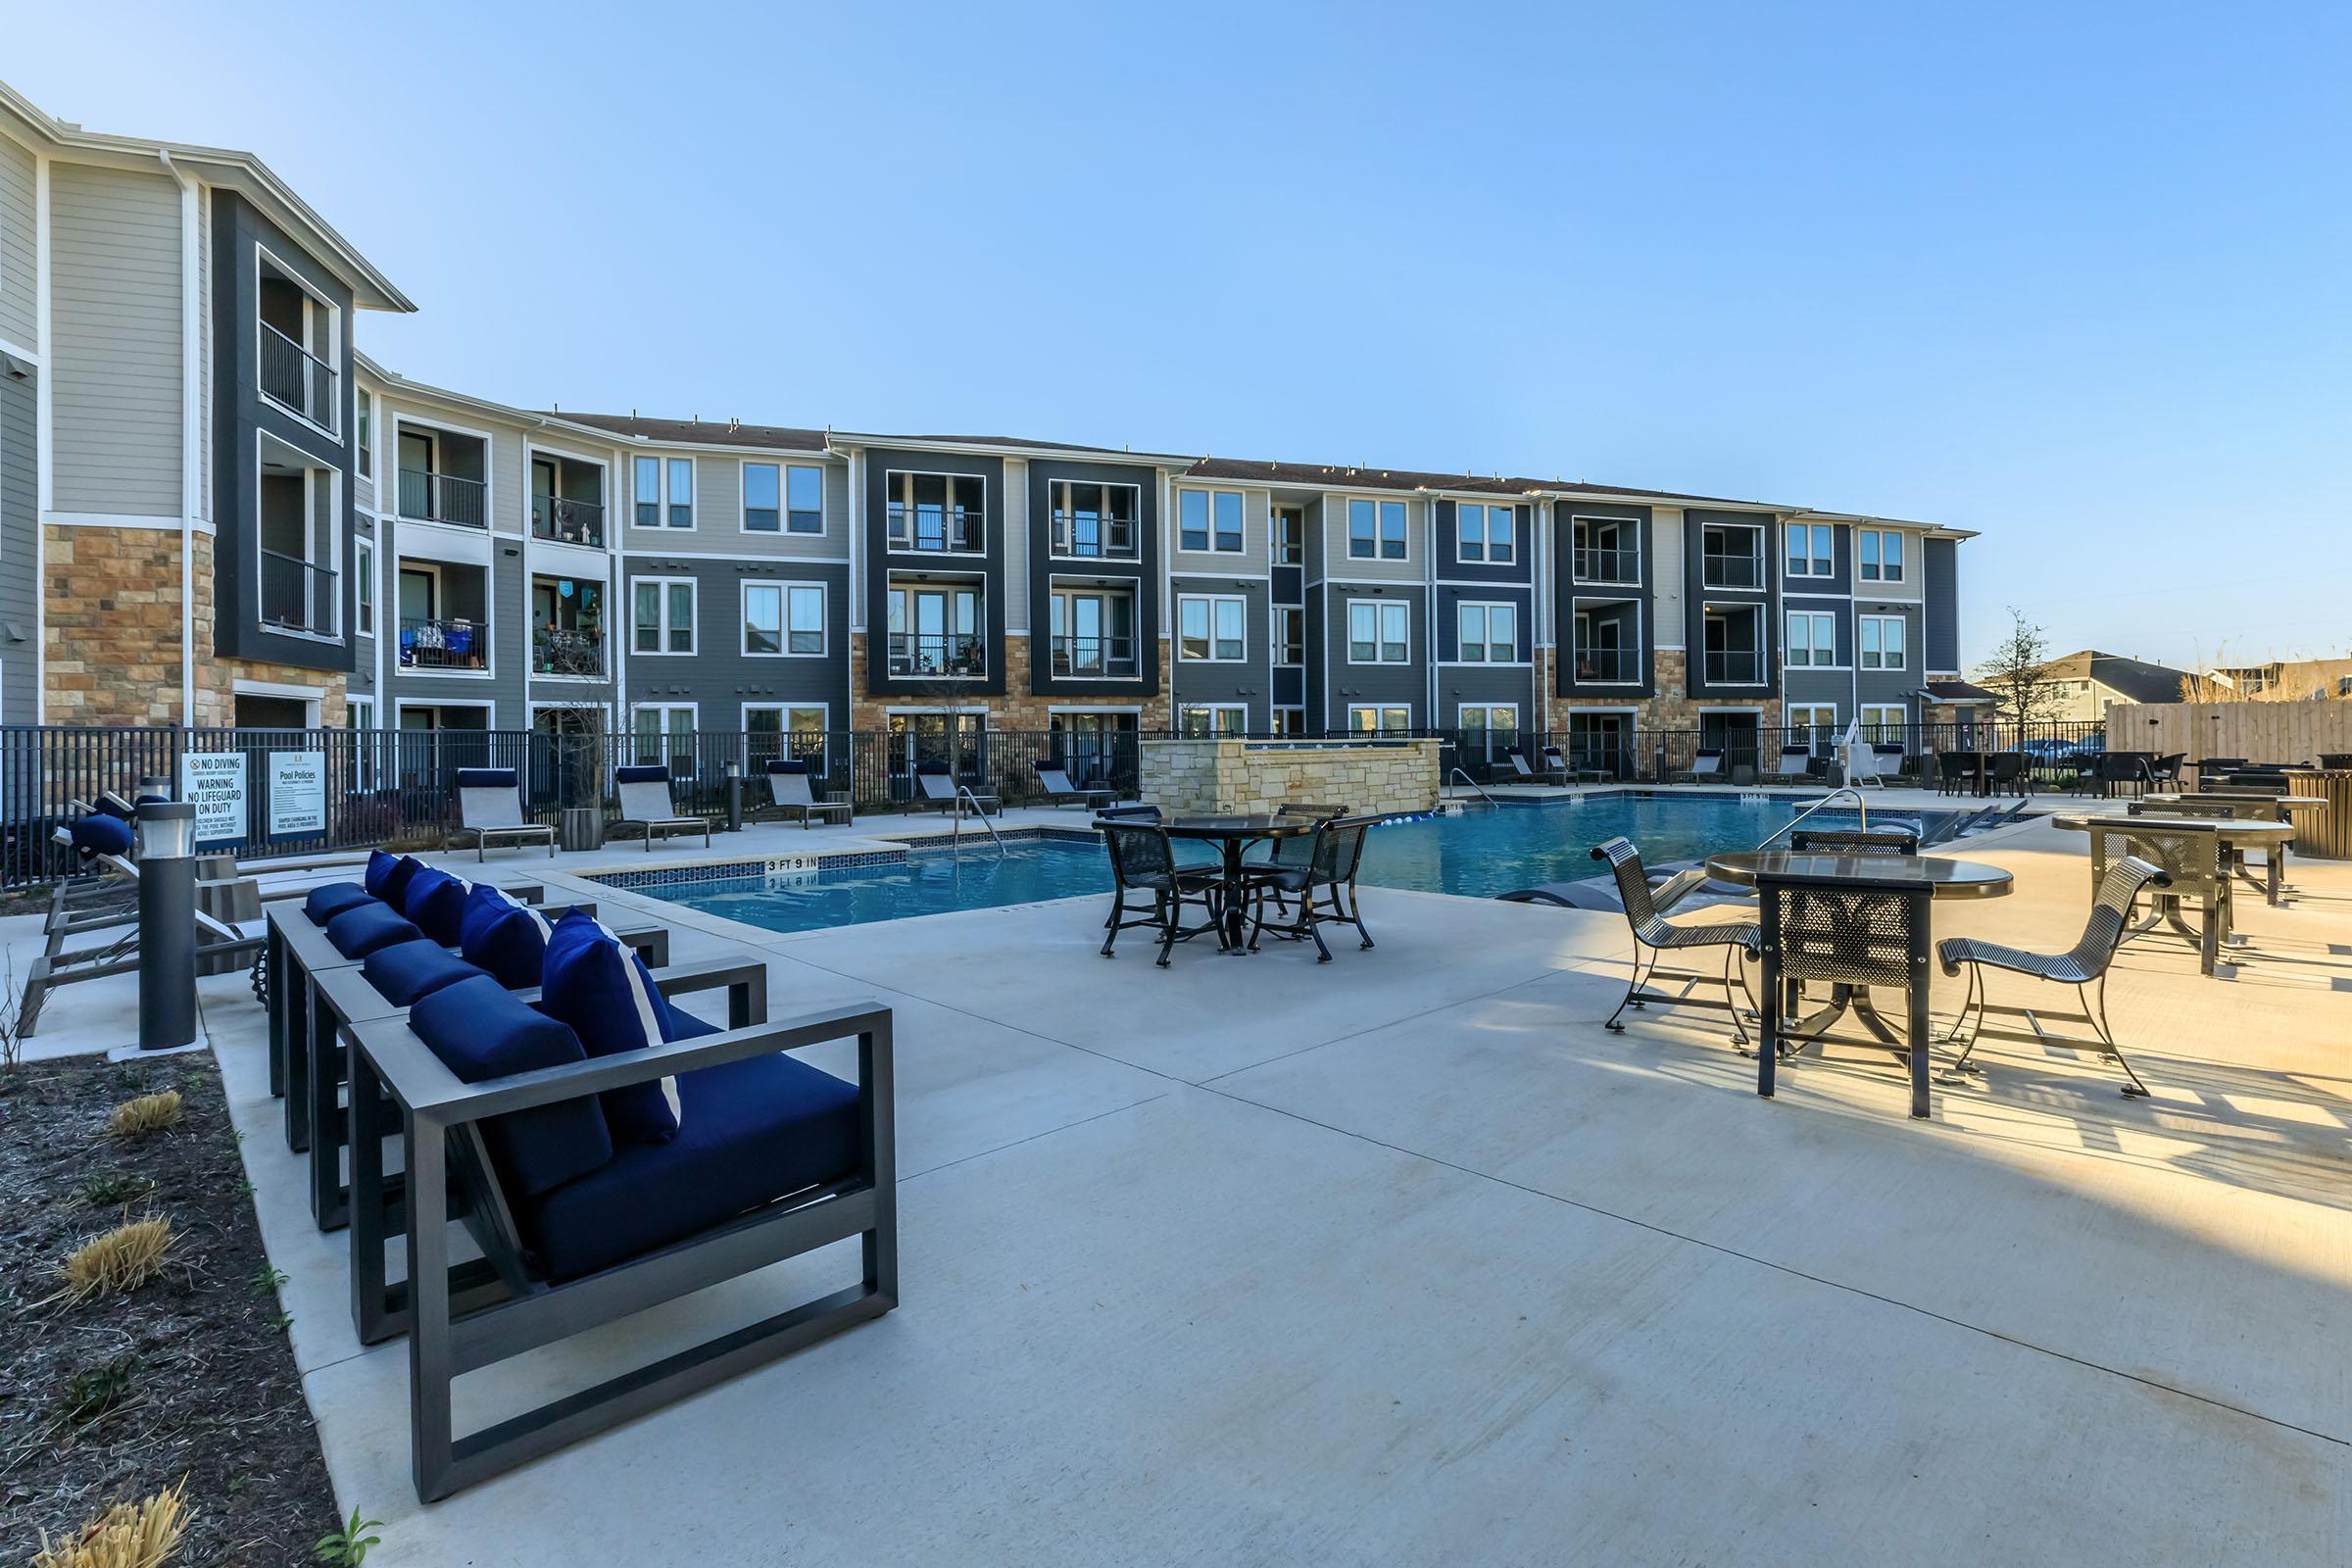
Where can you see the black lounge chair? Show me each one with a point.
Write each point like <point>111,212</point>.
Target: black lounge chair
<point>789,796</point>
<point>939,788</point>
<point>1142,860</point>
<point>1584,772</point>
<point>646,804</point>
<point>1334,853</point>
<point>2084,966</point>
<point>490,809</point>
<point>1707,766</point>
<point>1854,841</point>
<point>1527,774</point>
<point>1054,782</point>
<point>579,1227</point>
<point>1653,934</point>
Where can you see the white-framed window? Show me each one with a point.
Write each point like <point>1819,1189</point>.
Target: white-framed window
<point>1376,530</point>
<point>1487,533</point>
<point>1488,633</point>
<point>1290,720</point>
<point>1882,638</point>
<point>662,490</point>
<point>1812,638</point>
<point>804,498</point>
<point>365,553</point>
<point>942,513</point>
<point>1809,552</point>
<point>1289,634</point>
<point>787,730</point>
<point>1209,521</point>
<point>1095,521</point>
<point>359,713</point>
<point>1368,719</point>
<point>1884,721</point>
<point>1882,555</point>
<point>1289,543</point>
<point>935,630</point>
<point>783,619</point>
<point>1379,631</point>
<point>1204,720</point>
<point>366,454</point>
<point>762,498</point>
<point>1212,629</point>
<point>1488,730</point>
<point>663,732</point>
<point>1813,724</point>
<point>661,614</point>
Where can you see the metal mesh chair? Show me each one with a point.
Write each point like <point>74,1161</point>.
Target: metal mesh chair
<point>1854,841</point>
<point>1333,855</point>
<point>1654,934</point>
<point>1952,769</point>
<point>1141,861</point>
<point>2084,966</point>
<point>1851,936</point>
<point>2195,866</point>
<point>2007,771</point>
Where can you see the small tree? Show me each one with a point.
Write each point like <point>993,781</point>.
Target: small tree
<point>2019,670</point>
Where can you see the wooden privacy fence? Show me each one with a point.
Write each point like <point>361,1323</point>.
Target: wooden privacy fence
<point>2260,732</point>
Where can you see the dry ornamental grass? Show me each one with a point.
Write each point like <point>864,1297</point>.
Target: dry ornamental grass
<point>149,1113</point>
<point>119,1261</point>
<point>142,1535</point>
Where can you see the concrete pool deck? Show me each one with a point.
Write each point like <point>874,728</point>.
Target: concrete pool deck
<point>1402,1259</point>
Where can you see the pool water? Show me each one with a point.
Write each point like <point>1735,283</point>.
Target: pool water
<point>1479,854</point>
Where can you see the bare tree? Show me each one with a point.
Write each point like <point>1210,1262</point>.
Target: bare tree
<point>2018,670</point>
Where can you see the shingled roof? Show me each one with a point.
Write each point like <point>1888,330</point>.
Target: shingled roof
<point>701,432</point>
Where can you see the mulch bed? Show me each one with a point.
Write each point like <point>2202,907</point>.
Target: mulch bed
<point>189,1376</point>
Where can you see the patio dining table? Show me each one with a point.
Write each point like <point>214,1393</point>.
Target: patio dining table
<point>2237,833</point>
<point>1232,835</point>
<point>1852,921</point>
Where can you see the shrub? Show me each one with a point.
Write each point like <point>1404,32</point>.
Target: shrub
<point>141,1534</point>
<point>119,1261</point>
<point>149,1113</point>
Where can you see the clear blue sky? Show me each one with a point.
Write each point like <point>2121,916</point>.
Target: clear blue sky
<point>2083,282</point>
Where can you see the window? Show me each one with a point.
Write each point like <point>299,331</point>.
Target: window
<point>1095,519</point>
<point>1882,642</point>
<point>762,498</point>
<point>1811,724</point>
<point>664,732</point>
<point>1483,533</point>
<point>661,614</point>
<point>1882,556</point>
<point>367,401</point>
<point>803,499</point>
<point>1370,721</point>
<point>1289,542</point>
<point>647,490</point>
<point>1812,638</point>
<point>1809,551</point>
<point>786,729</point>
<point>1376,530</point>
<point>367,588</point>
<point>1379,633</point>
<point>1488,730</point>
<point>681,492</point>
<point>650,476</point>
<point>1607,550</point>
<point>941,512</point>
<point>935,632</point>
<point>1207,721</point>
<point>1209,521</point>
<point>1490,634</point>
<point>1289,721</point>
<point>784,617</point>
<point>1731,556</point>
<point>359,714</point>
<point>1093,633</point>
<point>1884,721</point>
<point>1212,629</point>
<point>1289,634</point>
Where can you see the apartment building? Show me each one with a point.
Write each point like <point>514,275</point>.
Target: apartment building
<point>214,509</point>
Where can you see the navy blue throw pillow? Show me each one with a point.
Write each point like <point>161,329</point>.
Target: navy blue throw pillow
<point>332,899</point>
<point>435,903</point>
<point>407,970</point>
<point>99,834</point>
<point>507,939</point>
<point>480,1032</point>
<point>387,876</point>
<point>605,993</point>
<point>357,932</point>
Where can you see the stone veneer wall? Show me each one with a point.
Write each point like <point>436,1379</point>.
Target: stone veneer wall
<point>1229,775</point>
<point>1672,708</point>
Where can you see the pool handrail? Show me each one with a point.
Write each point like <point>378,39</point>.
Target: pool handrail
<point>1861,806</point>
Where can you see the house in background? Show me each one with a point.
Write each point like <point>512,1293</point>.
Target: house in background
<point>2282,680</point>
<point>2086,682</point>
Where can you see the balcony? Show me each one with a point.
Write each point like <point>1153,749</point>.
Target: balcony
<point>429,497</point>
<point>567,521</point>
<point>1607,667</point>
<point>957,531</point>
<point>298,595</point>
<point>956,657</point>
<point>1092,536</point>
<point>1734,667</point>
<point>1732,570</point>
<point>1607,566</point>
<point>443,643</point>
<point>297,380</point>
<point>564,650</point>
<point>1105,657</point>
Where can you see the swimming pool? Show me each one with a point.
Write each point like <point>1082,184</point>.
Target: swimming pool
<point>1479,854</point>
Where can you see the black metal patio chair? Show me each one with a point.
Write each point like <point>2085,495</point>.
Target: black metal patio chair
<point>2084,966</point>
<point>2007,770</point>
<point>1952,770</point>
<point>1144,862</point>
<point>1335,853</point>
<point>1654,934</point>
<point>1854,841</point>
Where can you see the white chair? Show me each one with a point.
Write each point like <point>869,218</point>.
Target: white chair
<point>490,809</point>
<point>788,793</point>
<point>645,804</point>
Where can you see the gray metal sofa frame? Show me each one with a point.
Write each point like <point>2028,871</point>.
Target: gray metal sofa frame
<point>456,1323</point>
<point>490,809</point>
<point>643,791</point>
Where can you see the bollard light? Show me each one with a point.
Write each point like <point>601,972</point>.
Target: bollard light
<point>166,835</point>
<point>734,796</point>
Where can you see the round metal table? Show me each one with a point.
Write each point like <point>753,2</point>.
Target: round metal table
<point>1952,879</point>
<point>1232,835</point>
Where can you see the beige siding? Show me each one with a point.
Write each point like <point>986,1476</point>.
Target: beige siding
<point>1016,513</point>
<point>115,368</point>
<point>509,512</point>
<point>1666,578</point>
<point>1337,563</point>
<point>20,321</point>
<point>719,501</point>
<point>719,510</point>
<point>1913,587</point>
<point>1256,547</point>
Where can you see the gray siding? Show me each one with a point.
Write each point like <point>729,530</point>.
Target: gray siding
<point>19,543</point>
<point>1892,685</point>
<point>20,321</point>
<point>1488,684</point>
<point>1245,683</point>
<point>719,679</point>
<point>1354,684</point>
<point>1942,635</point>
<point>114,306</point>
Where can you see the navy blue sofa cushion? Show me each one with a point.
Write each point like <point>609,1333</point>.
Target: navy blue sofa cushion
<point>507,939</point>
<point>407,970</point>
<point>387,876</point>
<point>435,903</point>
<point>332,899</point>
<point>361,930</point>
<point>604,992</point>
<point>481,1032</point>
<point>752,1131</point>
<point>99,834</point>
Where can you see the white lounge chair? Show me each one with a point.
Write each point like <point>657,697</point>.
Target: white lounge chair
<point>1707,766</point>
<point>490,809</point>
<point>1794,761</point>
<point>788,793</point>
<point>645,804</point>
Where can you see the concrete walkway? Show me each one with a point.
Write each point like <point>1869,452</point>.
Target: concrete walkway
<point>1402,1259</point>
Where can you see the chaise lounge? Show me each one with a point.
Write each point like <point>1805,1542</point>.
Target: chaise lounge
<point>490,811</point>
<point>646,806</point>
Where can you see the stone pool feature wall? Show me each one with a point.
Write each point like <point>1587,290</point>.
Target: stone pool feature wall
<point>1190,777</point>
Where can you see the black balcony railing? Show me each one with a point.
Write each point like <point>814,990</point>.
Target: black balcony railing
<point>567,521</point>
<point>298,595</point>
<point>294,376</point>
<point>566,651</point>
<point>1092,537</point>
<point>443,643</point>
<point>956,657</point>
<point>956,528</point>
<point>1607,566</point>
<point>1092,656</point>
<point>1731,571</point>
<point>1606,665</point>
<point>444,498</point>
<point>1734,666</point>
